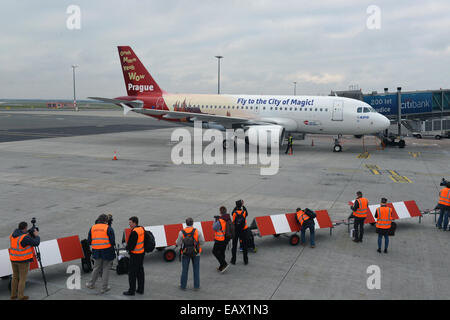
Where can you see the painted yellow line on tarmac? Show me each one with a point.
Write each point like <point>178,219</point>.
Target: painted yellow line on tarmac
<point>364,155</point>
<point>374,169</point>
<point>398,178</point>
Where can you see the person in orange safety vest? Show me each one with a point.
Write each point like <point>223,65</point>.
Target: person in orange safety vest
<point>21,253</point>
<point>444,206</point>
<point>384,218</point>
<point>360,209</point>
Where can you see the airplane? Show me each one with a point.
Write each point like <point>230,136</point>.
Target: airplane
<point>330,115</point>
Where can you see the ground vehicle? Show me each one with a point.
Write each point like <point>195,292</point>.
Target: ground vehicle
<point>436,134</point>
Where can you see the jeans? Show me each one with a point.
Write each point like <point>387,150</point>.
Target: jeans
<point>443,214</point>
<point>136,273</point>
<point>359,228</point>
<point>386,241</point>
<point>311,228</point>
<point>185,269</point>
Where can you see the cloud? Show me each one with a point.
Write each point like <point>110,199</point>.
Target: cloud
<point>266,46</point>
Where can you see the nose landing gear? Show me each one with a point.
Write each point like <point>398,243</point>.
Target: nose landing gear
<point>337,145</point>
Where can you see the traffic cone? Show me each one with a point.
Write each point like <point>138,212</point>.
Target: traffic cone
<point>115,156</point>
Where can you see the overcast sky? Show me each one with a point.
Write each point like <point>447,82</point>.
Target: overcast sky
<point>267,45</point>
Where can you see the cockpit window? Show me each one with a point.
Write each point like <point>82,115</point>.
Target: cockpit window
<point>359,110</point>
<point>366,110</point>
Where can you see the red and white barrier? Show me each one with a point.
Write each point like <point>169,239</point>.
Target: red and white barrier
<point>285,223</point>
<point>166,235</point>
<point>52,252</point>
<point>400,210</point>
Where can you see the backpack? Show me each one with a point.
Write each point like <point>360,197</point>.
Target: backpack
<point>86,261</point>
<point>239,222</point>
<point>122,265</point>
<point>310,213</point>
<point>229,230</point>
<point>149,241</point>
<point>392,229</point>
<point>189,246</point>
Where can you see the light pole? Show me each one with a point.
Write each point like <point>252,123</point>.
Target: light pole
<point>74,96</point>
<point>295,88</point>
<point>218,73</point>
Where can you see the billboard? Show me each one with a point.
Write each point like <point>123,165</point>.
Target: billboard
<point>411,103</point>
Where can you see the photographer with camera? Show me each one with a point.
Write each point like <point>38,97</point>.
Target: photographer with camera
<point>22,242</point>
<point>444,205</point>
<point>102,239</point>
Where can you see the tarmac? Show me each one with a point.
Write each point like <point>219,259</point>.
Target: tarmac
<point>65,177</point>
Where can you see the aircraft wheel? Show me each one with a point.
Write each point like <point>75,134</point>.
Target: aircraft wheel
<point>294,240</point>
<point>337,148</point>
<point>169,255</point>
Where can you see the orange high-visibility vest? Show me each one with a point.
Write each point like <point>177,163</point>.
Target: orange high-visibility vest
<point>361,212</point>
<point>139,248</point>
<point>220,235</point>
<point>189,230</point>
<point>384,217</point>
<point>302,217</point>
<point>444,197</point>
<point>17,252</point>
<point>99,235</point>
<point>241,212</point>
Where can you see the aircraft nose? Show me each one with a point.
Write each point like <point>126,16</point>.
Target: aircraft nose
<point>385,122</point>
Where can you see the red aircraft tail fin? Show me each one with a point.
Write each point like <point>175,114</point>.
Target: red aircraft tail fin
<point>138,80</point>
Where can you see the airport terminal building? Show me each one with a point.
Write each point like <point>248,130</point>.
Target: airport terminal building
<point>421,111</point>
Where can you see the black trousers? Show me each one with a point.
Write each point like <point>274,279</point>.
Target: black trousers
<point>359,228</point>
<point>219,251</point>
<point>136,272</point>
<point>241,235</point>
<point>288,146</point>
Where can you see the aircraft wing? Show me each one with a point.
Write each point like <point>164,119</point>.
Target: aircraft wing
<point>134,103</point>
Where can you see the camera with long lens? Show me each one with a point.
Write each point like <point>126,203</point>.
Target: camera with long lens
<point>444,183</point>
<point>33,228</point>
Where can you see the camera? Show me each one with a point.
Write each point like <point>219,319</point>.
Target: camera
<point>216,217</point>
<point>33,228</point>
<point>110,219</point>
<point>445,183</point>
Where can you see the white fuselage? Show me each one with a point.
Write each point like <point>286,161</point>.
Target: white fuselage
<point>302,114</point>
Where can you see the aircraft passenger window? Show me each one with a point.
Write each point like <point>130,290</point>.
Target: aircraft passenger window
<point>285,109</point>
<point>276,108</point>
<point>326,110</point>
<point>315,109</point>
<point>310,109</point>
<point>295,109</point>
<point>359,110</point>
<point>290,109</point>
<point>271,108</point>
<point>251,108</point>
<point>246,108</point>
<point>366,110</point>
<point>264,108</point>
<point>320,109</point>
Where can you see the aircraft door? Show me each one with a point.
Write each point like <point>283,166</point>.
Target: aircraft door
<point>338,110</point>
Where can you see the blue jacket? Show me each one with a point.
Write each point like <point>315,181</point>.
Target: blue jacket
<point>108,253</point>
<point>26,241</point>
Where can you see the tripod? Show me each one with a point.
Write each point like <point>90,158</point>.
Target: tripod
<point>38,257</point>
